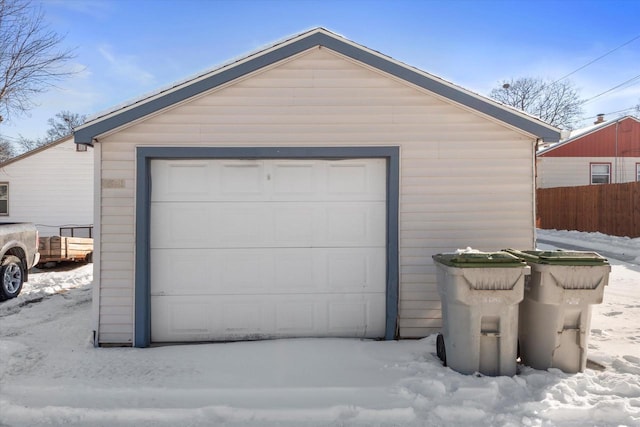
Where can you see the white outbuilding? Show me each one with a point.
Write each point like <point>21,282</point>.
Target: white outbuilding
<point>300,192</point>
<point>51,186</point>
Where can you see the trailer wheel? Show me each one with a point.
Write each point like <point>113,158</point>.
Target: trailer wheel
<point>440,349</point>
<point>12,277</point>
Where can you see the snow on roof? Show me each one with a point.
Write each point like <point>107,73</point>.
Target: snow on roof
<point>578,132</point>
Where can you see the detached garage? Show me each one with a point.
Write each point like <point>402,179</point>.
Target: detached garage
<point>299,192</point>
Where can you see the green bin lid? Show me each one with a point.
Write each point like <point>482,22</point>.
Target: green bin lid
<point>499,259</point>
<point>560,257</point>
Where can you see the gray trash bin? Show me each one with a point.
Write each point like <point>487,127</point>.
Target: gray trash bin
<point>555,315</point>
<point>480,293</point>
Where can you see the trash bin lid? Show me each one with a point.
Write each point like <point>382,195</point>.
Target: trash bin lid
<point>560,257</point>
<point>499,259</point>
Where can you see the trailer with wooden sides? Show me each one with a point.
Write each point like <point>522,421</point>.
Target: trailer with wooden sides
<point>61,248</point>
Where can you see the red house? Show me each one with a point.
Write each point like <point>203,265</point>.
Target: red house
<point>606,153</point>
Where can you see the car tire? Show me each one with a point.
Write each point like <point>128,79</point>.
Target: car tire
<point>11,277</point>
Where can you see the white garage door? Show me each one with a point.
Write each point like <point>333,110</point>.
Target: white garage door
<point>251,249</point>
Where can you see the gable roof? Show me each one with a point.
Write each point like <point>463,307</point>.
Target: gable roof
<point>36,150</point>
<point>88,133</point>
<point>581,133</point>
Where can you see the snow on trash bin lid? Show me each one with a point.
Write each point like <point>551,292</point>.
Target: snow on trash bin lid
<point>560,257</point>
<point>477,259</point>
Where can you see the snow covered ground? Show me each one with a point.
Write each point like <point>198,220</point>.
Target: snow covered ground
<point>50,374</point>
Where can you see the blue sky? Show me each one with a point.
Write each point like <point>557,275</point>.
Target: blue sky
<point>128,48</point>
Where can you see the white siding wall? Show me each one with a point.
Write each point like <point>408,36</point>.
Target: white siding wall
<point>465,180</point>
<point>51,188</point>
<point>576,171</point>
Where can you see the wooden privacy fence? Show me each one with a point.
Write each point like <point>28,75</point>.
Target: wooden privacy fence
<point>609,208</point>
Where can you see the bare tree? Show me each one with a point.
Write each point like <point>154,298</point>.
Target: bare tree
<point>6,150</point>
<point>557,103</point>
<point>63,124</point>
<point>30,58</point>
<point>25,144</point>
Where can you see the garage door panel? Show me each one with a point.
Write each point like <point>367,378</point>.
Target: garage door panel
<point>295,179</point>
<point>180,273</point>
<point>267,271</point>
<point>296,271</point>
<point>233,224</point>
<point>242,271</point>
<point>239,225</point>
<point>228,318</point>
<point>243,178</point>
<point>173,180</point>
<point>346,313</point>
<point>211,272</point>
<point>296,317</point>
<point>348,178</point>
<point>175,317</point>
<point>296,225</point>
<point>268,180</point>
<point>244,316</point>
<point>185,223</point>
<point>350,223</point>
<point>353,270</point>
<point>170,228</point>
<point>189,180</point>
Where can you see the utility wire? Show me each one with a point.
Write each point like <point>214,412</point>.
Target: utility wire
<point>613,88</point>
<point>597,59</point>
<point>610,112</point>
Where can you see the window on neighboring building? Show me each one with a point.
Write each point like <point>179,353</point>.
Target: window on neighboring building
<point>4,198</point>
<point>637,171</point>
<point>600,173</point>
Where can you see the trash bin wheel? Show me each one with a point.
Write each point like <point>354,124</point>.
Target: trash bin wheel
<point>440,350</point>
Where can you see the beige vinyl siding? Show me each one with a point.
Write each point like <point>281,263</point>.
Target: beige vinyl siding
<point>465,180</point>
<point>51,188</point>
<point>461,193</point>
<point>576,171</point>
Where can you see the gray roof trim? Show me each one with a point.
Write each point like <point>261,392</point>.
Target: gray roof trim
<point>319,37</point>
